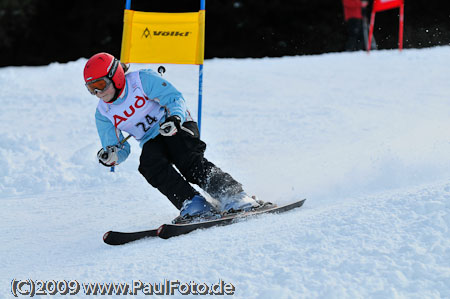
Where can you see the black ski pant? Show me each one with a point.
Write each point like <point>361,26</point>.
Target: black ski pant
<point>186,152</point>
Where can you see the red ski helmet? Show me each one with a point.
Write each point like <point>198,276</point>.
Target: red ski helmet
<point>105,65</point>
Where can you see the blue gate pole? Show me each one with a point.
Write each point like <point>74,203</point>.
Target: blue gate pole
<point>200,82</point>
<point>200,91</point>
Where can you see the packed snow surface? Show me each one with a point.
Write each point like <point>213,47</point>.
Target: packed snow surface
<point>365,138</point>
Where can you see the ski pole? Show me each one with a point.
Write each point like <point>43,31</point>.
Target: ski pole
<point>125,139</point>
<point>121,142</point>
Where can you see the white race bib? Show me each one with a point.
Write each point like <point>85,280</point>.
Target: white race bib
<point>137,113</point>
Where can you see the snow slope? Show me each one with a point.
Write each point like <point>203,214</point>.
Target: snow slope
<point>364,137</point>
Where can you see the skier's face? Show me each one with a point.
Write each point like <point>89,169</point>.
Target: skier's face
<point>107,94</point>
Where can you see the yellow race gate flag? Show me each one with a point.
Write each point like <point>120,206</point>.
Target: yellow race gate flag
<point>153,37</point>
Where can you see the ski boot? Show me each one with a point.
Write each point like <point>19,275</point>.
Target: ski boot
<point>239,202</point>
<point>194,210</point>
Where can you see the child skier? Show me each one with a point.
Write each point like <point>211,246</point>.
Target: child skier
<point>149,108</point>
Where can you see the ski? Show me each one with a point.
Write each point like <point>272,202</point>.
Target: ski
<point>119,238</point>
<point>167,231</point>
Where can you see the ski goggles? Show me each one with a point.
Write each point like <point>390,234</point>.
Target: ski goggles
<point>98,85</point>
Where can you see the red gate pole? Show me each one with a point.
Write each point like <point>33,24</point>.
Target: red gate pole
<point>400,30</point>
<point>372,22</point>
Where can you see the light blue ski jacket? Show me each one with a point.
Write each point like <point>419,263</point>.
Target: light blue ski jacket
<point>154,86</point>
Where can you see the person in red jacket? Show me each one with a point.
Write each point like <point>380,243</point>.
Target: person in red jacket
<point>355,16</point>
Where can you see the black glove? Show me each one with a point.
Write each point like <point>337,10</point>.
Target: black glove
<point>171,126</point>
